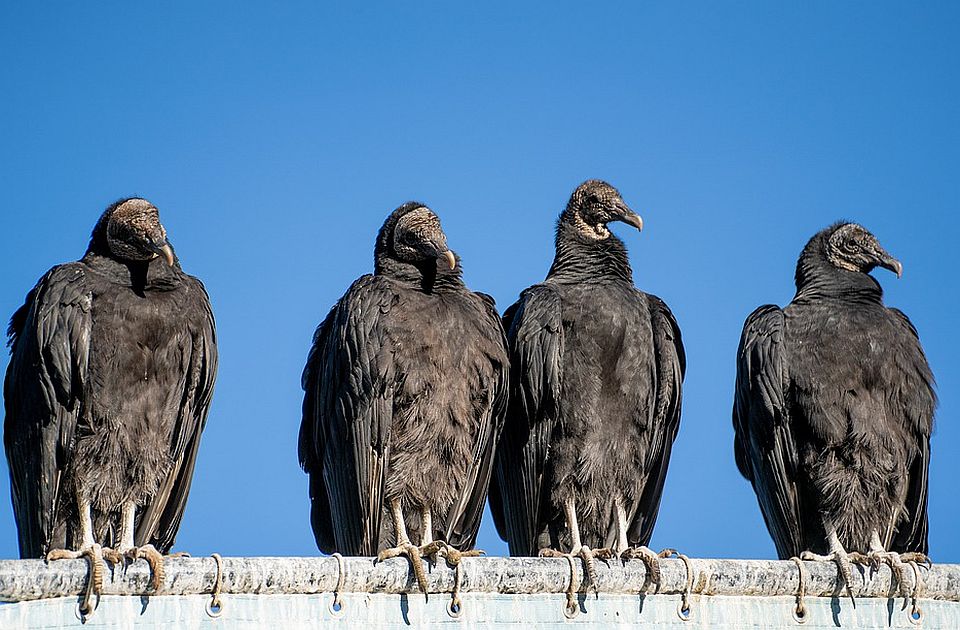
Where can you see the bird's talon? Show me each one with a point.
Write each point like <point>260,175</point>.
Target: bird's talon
<point>587,555</point>
<point>842,560</point>
<point>650,559</point>
<point>61,554</point>
<point>430,550</point>
<point>412,552</point>
<point>604,554</point>
<point>114,557</point>
<point>919,558</point>
<point>155,560</point>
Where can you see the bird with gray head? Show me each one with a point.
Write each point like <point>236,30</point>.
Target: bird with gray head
<point>833,411</point>
<point>597,369</point>
<point>113,361</point>
<point>405,389</point>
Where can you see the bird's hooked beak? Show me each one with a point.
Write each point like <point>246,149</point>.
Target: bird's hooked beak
<point>450,258</point>
<point>630,217</point>
<point>164,250</point>
<point>889,262</point>
<point>437,248</point>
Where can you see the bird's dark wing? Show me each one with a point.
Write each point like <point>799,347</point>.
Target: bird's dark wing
<point>535,340</point>
<point>347,414</point>
<point>160,519</point>
<point>463,529</point>
<point>310,445</point>
<point>918,401</point>
<point>764,445</point>
<point>43,395</point>
<point>671,364</point>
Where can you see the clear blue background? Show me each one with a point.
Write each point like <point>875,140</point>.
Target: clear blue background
<point>275,138</point>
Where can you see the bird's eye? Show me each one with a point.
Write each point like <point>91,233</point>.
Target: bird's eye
<point>593,200</point>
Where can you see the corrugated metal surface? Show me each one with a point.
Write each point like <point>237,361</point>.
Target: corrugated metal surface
<point>495,592</point>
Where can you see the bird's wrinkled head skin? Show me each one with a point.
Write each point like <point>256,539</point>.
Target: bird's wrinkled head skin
<point>853,248</point>
<point>416,236</point>
<point>593,205</point>
<point>134,233</point>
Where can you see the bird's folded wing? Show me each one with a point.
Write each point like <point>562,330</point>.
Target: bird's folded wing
<point>764,445</point>
<point>671,365</point>
<point>348,407</point>
<point>50,345</point>
<point>535,332</point>
<point>465,523</point>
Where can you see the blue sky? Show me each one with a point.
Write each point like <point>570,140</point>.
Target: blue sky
<point>276,137</point>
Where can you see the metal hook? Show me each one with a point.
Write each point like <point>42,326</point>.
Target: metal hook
<point>683,610</point>
<point>215,606</point>
<point>337,606</point>
<point>800,613</point>
<point>916,613</point>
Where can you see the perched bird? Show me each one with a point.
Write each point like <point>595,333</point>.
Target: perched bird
<point>405,390</point>
<point>113,361</point>
<point>595,395</point>
<point>833,410</point>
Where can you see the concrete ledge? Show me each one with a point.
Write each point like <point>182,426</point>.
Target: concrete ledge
<point>26,580</point>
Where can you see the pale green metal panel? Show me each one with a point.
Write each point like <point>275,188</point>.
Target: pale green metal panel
<point>482,611</point>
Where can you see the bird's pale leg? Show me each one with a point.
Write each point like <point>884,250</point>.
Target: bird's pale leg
<point>127,550</point>
<point>649,557</point>
<point>404,548</point>
<point>837,555</point>
<point>578,548</point>
<point>89,549</point>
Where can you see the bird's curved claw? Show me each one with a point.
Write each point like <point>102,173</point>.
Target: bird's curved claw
<point>650,558</point>
<point>95,563</point>
<point>415,555</point>
<point>125,556</point>
<point>587,555</point>
<point>844,568</point>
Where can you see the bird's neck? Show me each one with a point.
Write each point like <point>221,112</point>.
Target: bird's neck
<point>818,278</point>
<point>148,275</point>
<point>431,276</point>
<point>581,259</point>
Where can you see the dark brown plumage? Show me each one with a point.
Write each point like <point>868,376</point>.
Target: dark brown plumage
<point>834,407</point>
<point>405,387</point>
<point>597,368</point>
<point>113,364</point>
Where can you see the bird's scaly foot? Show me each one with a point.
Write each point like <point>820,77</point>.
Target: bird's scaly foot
<point>844,567</point>
<point>916,556</point>
<point>897,562</point>
<point>415,555</point>
<point>649,557</point>
<point>95,562</point>
<point>453,555</point>
<point>586,554</point>
<point>131,554</point>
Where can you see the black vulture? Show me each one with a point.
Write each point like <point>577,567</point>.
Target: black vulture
<point>833,411</point>
<point>405,391</point>
<point>113,364</point>
<point>596,373</point>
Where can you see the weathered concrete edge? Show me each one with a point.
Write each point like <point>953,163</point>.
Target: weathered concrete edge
<point>25,580</point>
